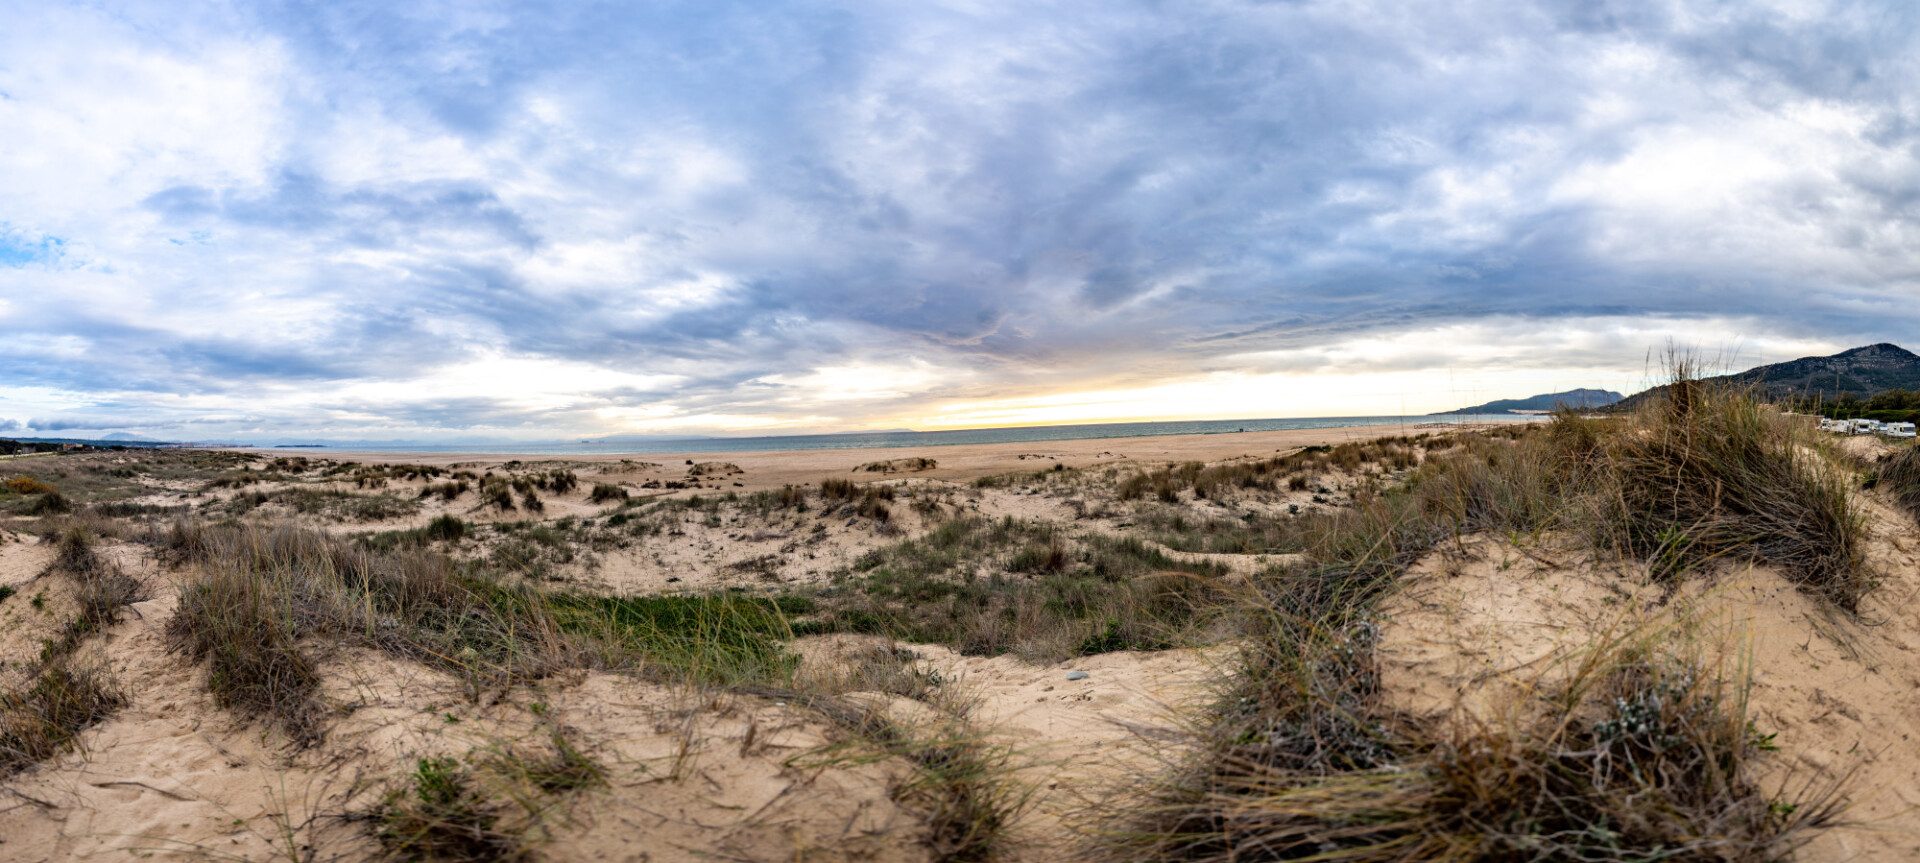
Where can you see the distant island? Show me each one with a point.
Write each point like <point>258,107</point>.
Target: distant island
<point>1579,399</point>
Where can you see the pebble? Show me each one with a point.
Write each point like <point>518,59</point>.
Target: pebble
<point>1076,675</point>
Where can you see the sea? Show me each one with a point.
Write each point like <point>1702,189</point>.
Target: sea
<point>895,439</point>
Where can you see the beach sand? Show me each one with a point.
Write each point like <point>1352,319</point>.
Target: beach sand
<point>697,771</point>
<point>763,469</point>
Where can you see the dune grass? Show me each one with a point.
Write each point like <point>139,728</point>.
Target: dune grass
<point>65,696</point>
<point>65,693</point>
<point>1638,752</point>
<point>101,589</point>
<point>987,587</point>
<point>718,639</point>
<point>259,596</point>
<point>1643,753</point>
<point>442,814</point>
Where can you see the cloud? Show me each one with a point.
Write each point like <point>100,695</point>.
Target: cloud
<point>83,423</point>
<point>343,206</point>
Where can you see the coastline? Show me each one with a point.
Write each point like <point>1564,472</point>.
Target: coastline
<point>956,462</point>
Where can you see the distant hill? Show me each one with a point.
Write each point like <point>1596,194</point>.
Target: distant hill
<point>1861,372</point>
<point>101,442</point>
<point>1579,399</point>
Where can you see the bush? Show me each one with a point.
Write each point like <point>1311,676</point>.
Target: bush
<point>908,465</point>
<point>29,485</point>
<point>447,491</point>
<point>51,503</point>
<point>497,494</point>
<point>446,528</point>
<point>838,489</point>
<point>606,492</point>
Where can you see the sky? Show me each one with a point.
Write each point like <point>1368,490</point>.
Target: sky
<point>446,221</point>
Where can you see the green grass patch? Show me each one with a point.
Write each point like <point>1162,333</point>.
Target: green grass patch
<point>718,638</point>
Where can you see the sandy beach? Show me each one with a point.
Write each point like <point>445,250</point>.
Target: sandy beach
<point>763,469</point>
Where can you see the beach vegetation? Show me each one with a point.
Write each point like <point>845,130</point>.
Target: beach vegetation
<point>1642,752</point>
<point>607,493</point>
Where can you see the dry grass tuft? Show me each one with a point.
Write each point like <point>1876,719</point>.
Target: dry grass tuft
<point>1709,474</point>
<point>444,815</point>
<point>261,594</point>
<point>65,697</point>
<point>1634,753</point>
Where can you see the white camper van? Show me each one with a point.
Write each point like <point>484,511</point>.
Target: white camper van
<point>1897,430</point>
<point>1835,426</point>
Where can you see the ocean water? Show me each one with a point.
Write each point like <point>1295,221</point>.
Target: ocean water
<point>886,440</point>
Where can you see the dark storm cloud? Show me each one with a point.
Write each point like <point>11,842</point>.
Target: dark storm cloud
<point>721,192</point>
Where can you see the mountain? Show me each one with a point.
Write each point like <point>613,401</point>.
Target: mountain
<point>1580,398</point>
<point>1863,372</point>
<point>123,437</point>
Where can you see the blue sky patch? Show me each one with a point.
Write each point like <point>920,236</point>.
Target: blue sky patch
<point>19,250</point>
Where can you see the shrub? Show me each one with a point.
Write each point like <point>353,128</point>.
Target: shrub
<point>908,465</point>
<point>838,489</point>
<point>605,492</point>
<point>29,485</point>
<point>497,494</point>
<point>714,468</point>
<point>448,491</point>
<point>1049,556</point>
<point>446,528</point>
